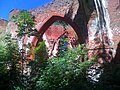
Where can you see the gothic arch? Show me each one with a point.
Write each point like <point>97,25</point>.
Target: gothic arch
<point>51,20</point>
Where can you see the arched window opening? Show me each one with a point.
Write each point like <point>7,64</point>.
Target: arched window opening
<point>60,34</point>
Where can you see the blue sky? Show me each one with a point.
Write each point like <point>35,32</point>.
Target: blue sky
<point>7,5</point>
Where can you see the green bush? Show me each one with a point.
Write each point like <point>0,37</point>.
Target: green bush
<point>67,72</point>
<point>62,46</point>
<point>9,58</point>
<point>24,21</point>
<point>36,66</point>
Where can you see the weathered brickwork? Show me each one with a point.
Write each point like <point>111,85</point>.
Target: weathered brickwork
<point>80,15</point>
<point>3,24</point>
<point>114,11</point>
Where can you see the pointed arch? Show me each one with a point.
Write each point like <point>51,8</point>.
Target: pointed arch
<point>53,19</point>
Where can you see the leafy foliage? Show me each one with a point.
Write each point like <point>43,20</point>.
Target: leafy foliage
<point>67,72</point>
<point>41,52</point>
<point>36,66</point>
<point>63,46</point>
<point>25,22</point>
<point>9,59</point>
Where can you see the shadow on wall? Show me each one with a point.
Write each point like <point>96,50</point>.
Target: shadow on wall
<point>118,7</point>
<point>86,7</point>
<point>117,56</point>
<point>110,78</point>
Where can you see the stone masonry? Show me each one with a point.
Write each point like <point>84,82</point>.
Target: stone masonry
<point>77,13</point>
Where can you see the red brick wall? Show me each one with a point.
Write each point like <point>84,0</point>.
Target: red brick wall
<point>114,11</point>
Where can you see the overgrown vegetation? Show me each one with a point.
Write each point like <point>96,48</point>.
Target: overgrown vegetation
<point>63,46</point>
<point>66,72</point>
<point>63,72</point>
<point>37,65</point>
<point>25,22</point>
<point>9,62</point>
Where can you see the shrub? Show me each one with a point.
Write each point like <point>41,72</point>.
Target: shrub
<point>63,46</point>
<point>67,72</point>
<point>9,58</point>
<point>36,66</point>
